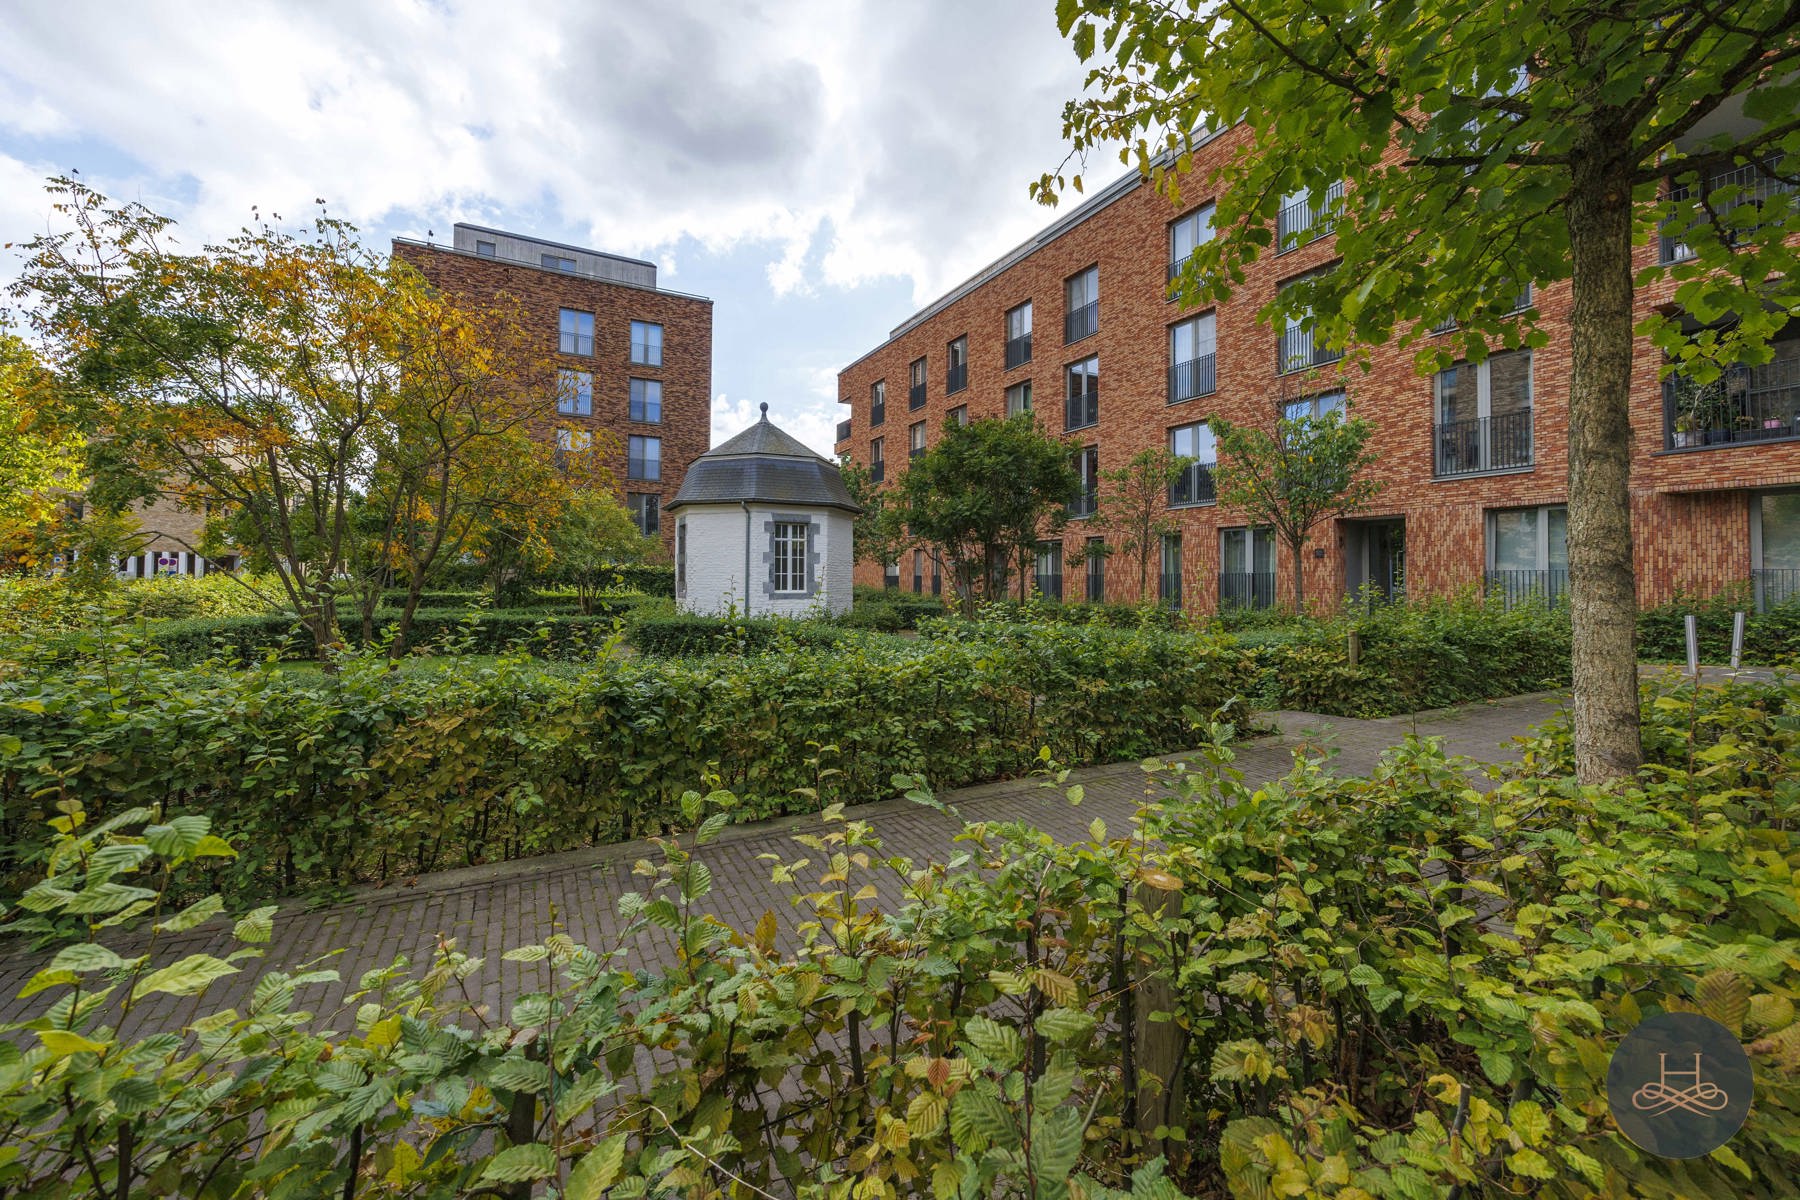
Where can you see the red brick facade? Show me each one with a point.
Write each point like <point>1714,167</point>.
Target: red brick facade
<point>685,373</point>
<point>1691,506</point>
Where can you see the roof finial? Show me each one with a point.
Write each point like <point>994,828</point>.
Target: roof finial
<point>765,410</point>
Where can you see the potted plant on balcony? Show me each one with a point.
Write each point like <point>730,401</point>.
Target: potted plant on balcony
<point>1684,431</point>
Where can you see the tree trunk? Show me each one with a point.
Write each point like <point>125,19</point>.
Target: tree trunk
<point>1295,551</point>
<point>1602,585</point>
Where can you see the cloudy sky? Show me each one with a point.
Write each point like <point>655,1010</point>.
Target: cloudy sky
<point>819,169</point>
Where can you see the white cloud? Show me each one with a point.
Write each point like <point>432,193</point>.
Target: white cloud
<point>870,141</point>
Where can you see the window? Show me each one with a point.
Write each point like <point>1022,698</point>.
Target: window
<point>1528,552</point>
<point>1193,358</point>
<point>1018,335</point>
<point>787,557</point>
<point>1316,407</point>
<point>915,439</point>
<point>890,576</point>
<point>577,332</point>
<point>1775,547</point>
<point>1168,583</point>
<point>1082,404</point>
<point>681,557</point>
<point>1518,302</point>
<point>1246,568</point>
<point>877,402</point>
<point>574,392</point>
<point>915,391</point>
<point>1297,347</point>
<point>1745,403</point>
<point>1199,452</point>
<point>646,401</point>
<point>918,572</point>
<point>1301,220</point>
<point>1081,305</point>
<point>1483,415</point>
<point>646,343</point>
<point>956,375</point>
<point>556,262</point>
<point>960,414</point>
<point>573,440</point>
<point>645,458</point>
<point>1096,570</point>
<point>646,510</point>
<point>485,249</point>
<point>1018,398</point>
<point>1748,186</point>
<point>1187,235</point>
<point>1047,578</point>
<point>877,461</point>
<point>1087,500</point>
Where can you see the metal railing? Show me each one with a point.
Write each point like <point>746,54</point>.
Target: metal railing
<point>878,471</point>
<point>1193,486</point>
<point>1082,408</point>
<point>843,430</point>
<point>1096,584</point>
<point>1246,589</point>
<point>1195,377</point>
<point>1048,586</point>
<point>1775,585</point>
<point>1745,404</point>
<point>1307,219</point>
<point>877,414</point>
<point>1082,322</point>
<point>1168,589</point>
<point>1751,184</point>
<point>915,396</point>
<point>1482,444</point>
<point>1297,350</point>
<point>1176,267</point>
<point>1018,351</point>
<point>1086,502</point>
<point>1521,587</point>
<point>956,378</point>
<point>915,452</point>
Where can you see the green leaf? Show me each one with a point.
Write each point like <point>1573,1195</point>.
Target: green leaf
<point>598,1170</point>
<point>191,975</point>
<point>198,912</point>
<point>1000,1043</point>
<point>256,926</point>
<point>925,1114</point>
<point>179,838</point>
<point>520,1164</point>
<point>520,1075</point>
<point>1061,1025</point>
<point>62,1043</point>
<point>86,956</point>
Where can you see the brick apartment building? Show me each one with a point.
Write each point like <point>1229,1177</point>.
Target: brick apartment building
<point>1474,460</point>
<point>635,360</point>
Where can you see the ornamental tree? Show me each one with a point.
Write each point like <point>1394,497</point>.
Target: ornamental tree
<point>879,535</point>
<point>987,492</point>
<point>1482,147</point>
<point>1134,506</point>
<point>592,534</point>
<point>1307,470</point>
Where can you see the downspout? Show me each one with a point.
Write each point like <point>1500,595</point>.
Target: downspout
<point>746,507</point>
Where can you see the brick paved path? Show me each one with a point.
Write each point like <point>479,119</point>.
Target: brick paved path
<point>490,909</point>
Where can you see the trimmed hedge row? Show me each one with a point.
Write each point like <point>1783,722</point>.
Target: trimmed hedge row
<point>371,774</point>
<point>1769,637</point>
<point>689,634</point>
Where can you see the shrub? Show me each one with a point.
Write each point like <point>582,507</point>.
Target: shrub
<point>690,633</point>
<point>1770,637</point>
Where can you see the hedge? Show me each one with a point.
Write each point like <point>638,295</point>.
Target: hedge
<point>371,774</point>
<point>1770,637</point>
<point>689,633</point>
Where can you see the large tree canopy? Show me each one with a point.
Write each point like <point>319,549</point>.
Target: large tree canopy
<point>1479,147</point>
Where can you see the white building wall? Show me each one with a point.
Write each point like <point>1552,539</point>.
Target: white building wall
<point>715,576</point>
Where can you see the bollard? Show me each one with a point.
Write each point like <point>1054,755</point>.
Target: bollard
<point>1737,639</point>
<point>1693,647</point>
<point>1355,647</point>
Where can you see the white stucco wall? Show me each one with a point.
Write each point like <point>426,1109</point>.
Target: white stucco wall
<point>715,561</point>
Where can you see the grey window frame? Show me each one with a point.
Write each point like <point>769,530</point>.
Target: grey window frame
<point>580,401</point>
<point>636,405</point>
<point>632,460</point>
<point>570,341</point>
<point>1022,390</point>
<point>635,343</point>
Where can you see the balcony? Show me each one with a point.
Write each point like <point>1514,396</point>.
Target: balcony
<point>1193,486</point>
<point>1775,585</point>
<point>1246,589</point>
<point>1501,443</point>
<point>1195,377</point>
<point>1304,221</point>
<point>1527,587</point>
<point>1168,589</point>
<point>1297,351</point>
<point>915,396</point>
<point>1082,322</point>
<point>915,452</point>
<point>1745,404</point>
<point>1082,409</point>
<point>1049,586</point>
<point>1728,191</point>
<point>1018,351</point>
<point>1086,502</point>
<point>956,379</point>
<point>877,471</point>
<point>877,414</point>
<point>843,432</point>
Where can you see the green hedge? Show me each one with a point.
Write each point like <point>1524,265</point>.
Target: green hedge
<point>369,774</point>
<point>687,633</point>
<point>1769,637</point>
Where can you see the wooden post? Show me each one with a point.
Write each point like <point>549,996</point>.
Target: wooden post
<point>1355,647</point>
<point>1159,1043</point>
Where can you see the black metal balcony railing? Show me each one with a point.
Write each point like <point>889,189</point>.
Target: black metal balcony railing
<point>1745,404</point>
<point>1749,184</point>
<point>1775,585</point>
<point>1048,586</point>
<point>1176,267</point>
<point>1298,350</point>
<point>877,471</point>
<point>915,396</point>
<point>1168,589</point>
<point>843,431</point>
<point>956,378</point>
<point>1086,502</point>
<point>915,452</point>
<point>1096,586</point>
<point>1082,409</point>
<point>1193,486</point>
<point>1195,377</point>
<point>1246,589</point>
<point>1482,444</point>
<point>1082,322</point>
<point>1522,587</point>
<point>1018,351</point>
<point>877,414</point>
<point>1307,219</point>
